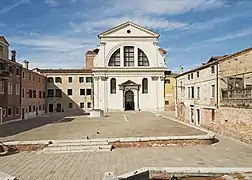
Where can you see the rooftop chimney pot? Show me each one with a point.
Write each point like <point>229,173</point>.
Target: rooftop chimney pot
<point>13,55</point>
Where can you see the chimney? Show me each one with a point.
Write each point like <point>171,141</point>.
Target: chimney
<point>13,55</point>
<point>25,64</point>
<point>90,57</point>
<point>181,68</point>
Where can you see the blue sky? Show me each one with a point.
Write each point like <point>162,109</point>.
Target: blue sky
<point>57,33</point>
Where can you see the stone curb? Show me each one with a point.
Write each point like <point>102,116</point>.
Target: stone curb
<point>186,170</point>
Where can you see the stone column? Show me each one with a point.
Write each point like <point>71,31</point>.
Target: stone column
<point>135,56</point>
<point>121,57</point>
<point>103,54</point>
<point>138,108</point>
<point>156,46</point>
<point>96,92</point>
<point>155,78</point>
<point>105,95</point>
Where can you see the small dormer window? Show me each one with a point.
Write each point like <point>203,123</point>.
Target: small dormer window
<point>128,31</point>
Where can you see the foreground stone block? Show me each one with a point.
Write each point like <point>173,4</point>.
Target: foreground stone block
<point>96,113</point>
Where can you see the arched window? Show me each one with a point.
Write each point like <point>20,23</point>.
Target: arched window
<point>128,56</point>
<point>145,86</point>
<point>113,86</point>
<point>50,80</point>
<point>115,59</point>
<point>142,58</point>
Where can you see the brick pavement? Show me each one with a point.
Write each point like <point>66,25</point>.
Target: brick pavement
<point>90,165</point>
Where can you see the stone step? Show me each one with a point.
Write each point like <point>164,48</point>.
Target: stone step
<point>60,144</point>
<point>73,148</point>
<point>78,141</point>
<point>73,151</point>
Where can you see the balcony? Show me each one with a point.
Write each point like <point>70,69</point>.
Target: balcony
<point>4,74</point>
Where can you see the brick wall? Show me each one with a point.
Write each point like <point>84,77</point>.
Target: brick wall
<point>89,60</point>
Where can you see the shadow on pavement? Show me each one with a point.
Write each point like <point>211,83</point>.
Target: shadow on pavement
<point>17,127</point>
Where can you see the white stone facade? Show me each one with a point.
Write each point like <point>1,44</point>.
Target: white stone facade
<point>129,79</point>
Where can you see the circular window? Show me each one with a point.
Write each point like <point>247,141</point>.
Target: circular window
<point>128,31</point>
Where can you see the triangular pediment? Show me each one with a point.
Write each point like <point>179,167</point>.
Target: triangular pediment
<point>129,83</point>
<point>129,29</point>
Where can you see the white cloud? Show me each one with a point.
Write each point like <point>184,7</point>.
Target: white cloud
<point>241,33</point>
<point>52,3</point>
<point>10,7</point>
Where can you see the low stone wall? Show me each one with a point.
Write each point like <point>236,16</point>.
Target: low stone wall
<point>234,122</point>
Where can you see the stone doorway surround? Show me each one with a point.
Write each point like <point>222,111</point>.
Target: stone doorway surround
<point>130,86</point>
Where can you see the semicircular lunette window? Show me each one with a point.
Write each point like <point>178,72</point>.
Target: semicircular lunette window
<point>142,58</point>
<point>115,58</point>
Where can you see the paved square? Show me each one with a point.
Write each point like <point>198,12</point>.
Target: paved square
<point>115,124</point>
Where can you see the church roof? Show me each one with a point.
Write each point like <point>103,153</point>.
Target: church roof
<point>3,39</point>
<point>128,23</point>
<point>129,82</point>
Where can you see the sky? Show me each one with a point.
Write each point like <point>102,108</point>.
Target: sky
<point>57,33</point>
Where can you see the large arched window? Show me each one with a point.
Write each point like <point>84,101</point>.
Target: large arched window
<point>113,86</point>
<point>115,59</point>
<point>145,86</point>
<point>128,56</point>
<point>142,58</point>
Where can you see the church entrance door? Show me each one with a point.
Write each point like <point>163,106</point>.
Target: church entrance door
<point>129,101</point>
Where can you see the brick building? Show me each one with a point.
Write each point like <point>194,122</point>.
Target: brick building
<point>218,95</point>
<point>33,92</point>
<point>10,83</point>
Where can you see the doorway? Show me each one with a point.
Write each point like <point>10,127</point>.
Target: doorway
<point>58,108</point>
<point>192,116</point>
<point>129,101</point>
<point>198,116</point>
<point>50,107</point>
<point>1,115</point>
<point>36,111</point>
<point>23,113</point>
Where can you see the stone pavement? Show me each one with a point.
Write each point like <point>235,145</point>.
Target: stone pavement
<point>116,124</point>
<point>79,166</point>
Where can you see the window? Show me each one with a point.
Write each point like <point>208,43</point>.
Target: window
<point>1,87</point>
<point>50,93</point>
<point>192,92</point>
<point>58,93</point>
<point>89,79</point>
<point>43,94</point>
<point>115,59</point>
<point>23,93</point>
<point>17,89</point>
<point>34,78</point>
<point>43,107</point>
<point>50,80</point>
<point>9,111</point>
<point>1,49</point>
<point>4,112</point>
<point>198,92</point>
<point>17,71</point>
<point>58,80</point>
<point>17,111</point>
<point>2,66</point>
<point>30,93</point>
<point>33,108</point>
<point>213,115</point>
<point>192,76</point>
<point>167,81</point>
<point>70,79</point>
<point>81,79</point>
<point>39,107</point>
<point>89,104</point>
<point>82,92</point>
<point>188,76</point>
<point>81,105</point>
<point>23,75</point>
<point>181,88</point>
<point>128,56</point>
<point>34,94</point>
<point>88,91</point>
<point>10,69</point>
<point>29,76</point>
<point>166,102</point>
<point>145,86</point>
<point>30,109</point>
<point>213,91</point>
<point>142,58</point>
<point>212,69</point>
<point>40,94</point>
<point>70,92</point>
<point>188,92</point>
<point>197,74</point>
<point>38,79</point>
<point>9,88</point>
<point>113,86</point>
<point>70,105</point>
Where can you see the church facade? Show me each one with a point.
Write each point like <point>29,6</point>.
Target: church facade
<point>129,70</point>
